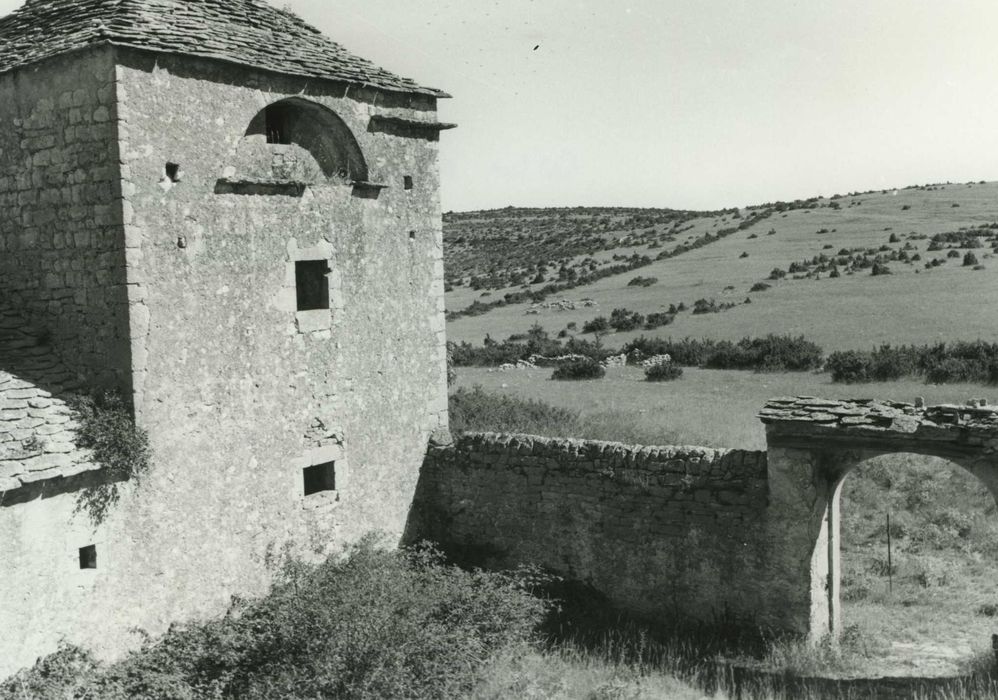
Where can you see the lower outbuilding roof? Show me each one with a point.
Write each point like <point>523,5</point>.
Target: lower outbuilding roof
<point>38,430</point>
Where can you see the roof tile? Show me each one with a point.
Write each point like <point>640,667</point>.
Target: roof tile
<point>248,32</point>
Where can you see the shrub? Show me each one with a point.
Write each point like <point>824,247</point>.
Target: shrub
<point>493,354</point>
<point>579,369</point>
<point>771,353</point>
<point>777,274</point>
<point>121,448</point>
<point>625,320</point>
<point>940,363</point>
<point>656,320</point>
<point>600,324</point>
<point>880,269</point>
<point>664,372</point>
<point>107,428</point>
<point>64,674</point>
<point>710,306</point>
<point>952,369</point>
<point>642,281</point>
<point>760,287</point>
<point>849,366</point>
<point>890,364</point>
<point>373,624</point>
<point>969,259</point>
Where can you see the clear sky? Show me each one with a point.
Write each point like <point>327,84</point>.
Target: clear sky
<point>689,103</point>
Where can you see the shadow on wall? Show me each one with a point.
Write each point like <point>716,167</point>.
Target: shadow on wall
<point>660,531</point>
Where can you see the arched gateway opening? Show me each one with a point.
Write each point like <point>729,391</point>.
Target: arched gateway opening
<point>919,597</point>
<point>813,445</point>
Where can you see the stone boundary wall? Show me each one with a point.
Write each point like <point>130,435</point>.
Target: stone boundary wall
<point>661,531</point>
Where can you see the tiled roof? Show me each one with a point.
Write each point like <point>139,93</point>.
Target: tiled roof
<point>247,32</point>
<point>37,429</point>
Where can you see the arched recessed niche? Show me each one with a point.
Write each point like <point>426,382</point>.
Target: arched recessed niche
<point>297,143</point>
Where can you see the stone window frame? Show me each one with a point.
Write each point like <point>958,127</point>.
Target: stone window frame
<point>313,321</point>
<point>316,456</point>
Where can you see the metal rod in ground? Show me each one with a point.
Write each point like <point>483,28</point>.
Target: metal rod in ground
<point>890,562</point>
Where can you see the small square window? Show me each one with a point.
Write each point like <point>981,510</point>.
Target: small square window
<point>88,557</point>
<point>278,124</point>
<point>407,182</point>
<point>311,284</point>
<point>320,477</point>
<point>173,172</point>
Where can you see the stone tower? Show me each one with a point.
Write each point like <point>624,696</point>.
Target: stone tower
<point>212,208</point>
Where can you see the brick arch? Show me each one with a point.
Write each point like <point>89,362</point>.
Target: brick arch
<point>814,444</point>
<point>300,140</point>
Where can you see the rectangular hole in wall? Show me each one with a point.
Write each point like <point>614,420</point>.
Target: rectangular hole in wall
<point>88,557</point>
<point>278,119</point>
<point>407,182</point>
<point>319,477</point>
<point>311,285</point>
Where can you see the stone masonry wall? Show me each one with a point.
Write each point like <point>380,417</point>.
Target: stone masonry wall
<point>238,390</point>
<point>661,531</point>
<point>61,246</point>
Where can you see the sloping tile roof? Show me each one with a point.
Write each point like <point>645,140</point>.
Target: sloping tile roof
<point>247,32</point>
<point>37,429</point>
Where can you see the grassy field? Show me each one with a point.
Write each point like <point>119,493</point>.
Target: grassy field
<point>856,311</point>
<point>714,408</point>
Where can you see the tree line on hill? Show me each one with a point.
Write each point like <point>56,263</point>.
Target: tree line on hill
<point>962,361</point>
<point>586,276</point>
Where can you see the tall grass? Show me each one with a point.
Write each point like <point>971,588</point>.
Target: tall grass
<point>476,410</point>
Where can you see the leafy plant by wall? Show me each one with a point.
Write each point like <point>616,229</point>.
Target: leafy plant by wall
<point>119,447</point>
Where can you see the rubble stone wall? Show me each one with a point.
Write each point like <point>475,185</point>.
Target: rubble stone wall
<point>662,531</point>
<point>62,256</point>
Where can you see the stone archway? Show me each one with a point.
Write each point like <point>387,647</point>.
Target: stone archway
<point>297,139</point>
<point>813,444</point>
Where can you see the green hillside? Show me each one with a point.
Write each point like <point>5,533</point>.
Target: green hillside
<point>917,302</point>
